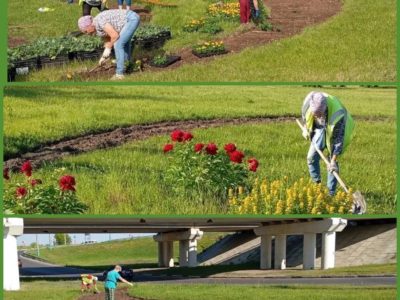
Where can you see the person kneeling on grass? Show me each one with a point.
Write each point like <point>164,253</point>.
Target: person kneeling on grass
<point>329,125</point>
<point>87,282</point>
<point>110,283</point>
<point>117,27</point>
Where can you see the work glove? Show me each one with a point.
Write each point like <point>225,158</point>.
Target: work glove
<point>106,54</point>
<point>305,134</point>
<point>333,167</point>
<point>257,14</point>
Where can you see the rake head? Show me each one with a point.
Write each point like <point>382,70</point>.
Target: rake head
<point>359,203</point>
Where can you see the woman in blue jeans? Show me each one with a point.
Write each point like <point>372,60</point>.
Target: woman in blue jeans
<point>117,27</point>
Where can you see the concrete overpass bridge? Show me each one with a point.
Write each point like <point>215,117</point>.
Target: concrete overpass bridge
<point>187,231</point>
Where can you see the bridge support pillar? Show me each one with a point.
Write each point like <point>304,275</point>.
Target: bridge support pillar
<point>266,252</point>
<point>328,250</point>
<point>309,228</point>
<point>187,247</point>
<point>12,227</point>
<point>280,252</point>
<point>309,251</point>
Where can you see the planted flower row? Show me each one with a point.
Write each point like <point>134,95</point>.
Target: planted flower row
<point>209,48</point>
<point>229,10</point>
<point>281,197</point>
<point>71,47</point>
<point>33,196</point>
<point>201,170</point>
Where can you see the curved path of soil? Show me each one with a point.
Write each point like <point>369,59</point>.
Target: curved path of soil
<point>115,137</point>
<point>288,17</point>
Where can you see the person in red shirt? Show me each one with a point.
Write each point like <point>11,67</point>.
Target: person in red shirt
<point>245,10</point>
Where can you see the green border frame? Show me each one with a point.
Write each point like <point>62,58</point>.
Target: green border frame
<point>4,83</point>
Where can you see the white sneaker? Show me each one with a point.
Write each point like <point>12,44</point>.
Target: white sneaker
<point>118,77</point>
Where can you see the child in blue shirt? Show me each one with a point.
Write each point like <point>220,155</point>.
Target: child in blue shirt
<point>110,283</point>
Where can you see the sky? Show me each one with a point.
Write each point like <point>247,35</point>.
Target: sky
<point>79,238</point>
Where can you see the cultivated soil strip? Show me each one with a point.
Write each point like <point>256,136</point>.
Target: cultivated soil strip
<point>119,136</point>
<point>120,294</point>
<point>288,17</point>
<point>115,137</point>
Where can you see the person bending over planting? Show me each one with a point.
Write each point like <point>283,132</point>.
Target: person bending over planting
<point>110,284</point>
<point>117,27</point>
<point>329,125</point>
<point>89,282</point>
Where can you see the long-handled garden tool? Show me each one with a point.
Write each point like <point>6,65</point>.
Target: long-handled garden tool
<point>359,203</point>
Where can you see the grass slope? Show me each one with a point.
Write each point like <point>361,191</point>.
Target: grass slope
<point>33,116</point>
<point>118,180</point>
<point>134,252</point>
<point>359,44</point>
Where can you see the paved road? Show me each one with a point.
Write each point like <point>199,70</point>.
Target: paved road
<point>32,267</point>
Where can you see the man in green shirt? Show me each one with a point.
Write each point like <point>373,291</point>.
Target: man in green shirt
<point>110,283</point>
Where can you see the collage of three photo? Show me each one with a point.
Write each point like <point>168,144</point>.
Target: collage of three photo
<point>203,149</point>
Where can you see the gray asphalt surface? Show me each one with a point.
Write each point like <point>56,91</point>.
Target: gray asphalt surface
<point>32,267</point>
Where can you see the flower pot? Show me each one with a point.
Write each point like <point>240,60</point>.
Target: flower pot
<point>202,55</point>
<point>170,60</point>
<point>29,64</point>
<point>57,61</point>
<point>84,55</point>
<point>11,73</point>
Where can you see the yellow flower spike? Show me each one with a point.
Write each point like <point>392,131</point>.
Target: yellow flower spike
<point>240,191</point>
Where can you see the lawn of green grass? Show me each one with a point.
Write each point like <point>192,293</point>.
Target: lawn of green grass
<point>69,290</point>
<point>59,113</point>
<point>118,180</point>
<point>46,290</point>
<point>26,22</point>
<point>359,44</point>
<point>221,291</point>
<point>135,253</point>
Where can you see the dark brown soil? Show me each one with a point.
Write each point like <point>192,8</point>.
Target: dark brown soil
<point>120,294</point>
<point>119,136</point>
<point>15,41</point>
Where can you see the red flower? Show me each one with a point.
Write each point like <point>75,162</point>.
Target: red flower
<point>253,164</point>
<point>26,168</point>
<point>230,147</point>
<point>168,147</point>
<point>236,156</point>
<point>211,149</point>
<point>177,135</point>
<point>21,192</point>
<point>187,136</point>
<point>6,174</point>
<point>34,182</point>
<point>198,147</point>
<point>67,183</point>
